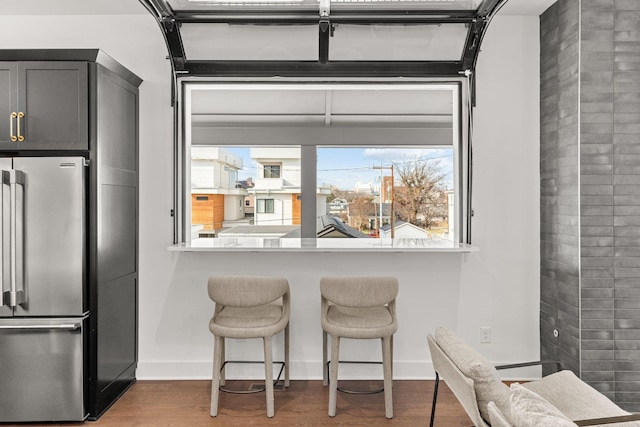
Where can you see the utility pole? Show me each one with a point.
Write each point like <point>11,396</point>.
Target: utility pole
<point>393,220</point>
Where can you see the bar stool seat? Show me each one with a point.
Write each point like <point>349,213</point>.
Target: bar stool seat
<point>248,322</point>
<point>358,307</point>
<point>248,307</point>
<point>356,322</point>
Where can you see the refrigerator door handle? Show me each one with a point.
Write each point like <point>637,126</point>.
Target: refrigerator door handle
<point>63,326</point>
<point>5,283</point>
<point>17,294</point>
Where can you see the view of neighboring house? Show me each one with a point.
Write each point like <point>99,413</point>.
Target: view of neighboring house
<point>215,195</point>
<point>265,231</point>
<point>403,229</point>
<point>366,187</point>
<point>337,206</point>
<point>370,212</point>
<point>278,186</point>
<point>366,214</point>
<point>451,212</point>
<point>249,205</point>
<point>330,226</point>
<point>267,206</point>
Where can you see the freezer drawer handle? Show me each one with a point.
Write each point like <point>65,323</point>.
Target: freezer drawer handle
<point>63,326</point>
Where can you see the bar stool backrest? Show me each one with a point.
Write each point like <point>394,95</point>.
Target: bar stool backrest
<point>359,291</point>
<point>246,291</point>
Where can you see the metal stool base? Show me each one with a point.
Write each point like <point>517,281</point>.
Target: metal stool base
<point>355,391</point>
<point>275,382</point>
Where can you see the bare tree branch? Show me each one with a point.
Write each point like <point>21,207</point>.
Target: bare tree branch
<point>420,198</point>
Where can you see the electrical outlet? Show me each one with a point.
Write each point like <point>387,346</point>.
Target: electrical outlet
<point>485,334</point>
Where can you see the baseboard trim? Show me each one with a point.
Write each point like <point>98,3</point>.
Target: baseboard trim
<point>300,370</point>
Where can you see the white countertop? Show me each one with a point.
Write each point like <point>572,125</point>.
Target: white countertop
<point>258,244</point>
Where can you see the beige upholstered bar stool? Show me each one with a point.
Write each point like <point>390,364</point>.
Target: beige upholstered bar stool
<point>360,308</point>
<point>248,307</point>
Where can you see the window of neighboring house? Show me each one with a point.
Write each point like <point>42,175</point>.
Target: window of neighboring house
<point>265,206</point>
<point>227,175</point>
<point>258,139</point>
<point>271,171</point>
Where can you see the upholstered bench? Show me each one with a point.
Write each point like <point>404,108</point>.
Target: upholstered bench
<point>558,399</point>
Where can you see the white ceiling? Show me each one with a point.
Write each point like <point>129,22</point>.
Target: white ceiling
<point>71,7</point>
<point>128,7</point>
<point>526,7</point>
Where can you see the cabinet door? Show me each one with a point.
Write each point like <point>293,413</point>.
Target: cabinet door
<point>54,98</point>
<point>8,102</point>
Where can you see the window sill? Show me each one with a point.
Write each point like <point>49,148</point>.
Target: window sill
<point>255,244</point>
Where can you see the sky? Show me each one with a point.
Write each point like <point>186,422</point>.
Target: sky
<point>344,167</point>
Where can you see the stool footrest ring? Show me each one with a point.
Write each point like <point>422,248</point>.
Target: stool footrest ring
<point>276,381</point>
<point>376,391</point>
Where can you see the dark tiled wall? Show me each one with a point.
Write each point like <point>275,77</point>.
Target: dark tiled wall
<point>596,194</point>
<point>603,344</point>
<point>559,180</point>
<point>626,202</point>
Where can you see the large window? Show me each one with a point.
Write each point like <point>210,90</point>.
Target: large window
<point>316,160</point>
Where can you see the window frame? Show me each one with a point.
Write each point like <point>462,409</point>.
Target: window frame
<point>461,112</point>
<point>270,166</point>
<point>265,205</point>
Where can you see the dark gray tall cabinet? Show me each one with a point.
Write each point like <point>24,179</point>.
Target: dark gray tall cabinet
<point>83,103</point>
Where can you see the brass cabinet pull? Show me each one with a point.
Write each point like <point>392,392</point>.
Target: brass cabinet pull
<point>20,137</point>
<point>13,116</point>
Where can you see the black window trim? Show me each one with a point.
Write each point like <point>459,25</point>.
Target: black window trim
<point>463,132</point>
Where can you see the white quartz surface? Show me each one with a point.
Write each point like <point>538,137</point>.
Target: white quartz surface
<point>321,245</point>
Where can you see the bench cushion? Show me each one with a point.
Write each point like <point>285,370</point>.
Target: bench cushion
<point>487,383</point>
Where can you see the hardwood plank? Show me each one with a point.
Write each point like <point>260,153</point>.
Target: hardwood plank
<point>186,403</point>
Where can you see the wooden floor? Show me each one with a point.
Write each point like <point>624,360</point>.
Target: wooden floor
<point>186,403</point>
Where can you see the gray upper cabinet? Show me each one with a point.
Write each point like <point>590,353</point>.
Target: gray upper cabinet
<point>8,101</point>
<point>44,105</point>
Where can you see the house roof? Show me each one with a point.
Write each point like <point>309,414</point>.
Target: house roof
<point>399,224</point>
<point>255,230</point>
<point>327,224</point>
<point>404,224</point>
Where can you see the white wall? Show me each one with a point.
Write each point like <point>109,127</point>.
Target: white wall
<point>496,287</point>
<point>282,209</point>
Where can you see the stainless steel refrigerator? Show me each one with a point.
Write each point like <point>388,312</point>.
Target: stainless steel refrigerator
<point>44,308</point>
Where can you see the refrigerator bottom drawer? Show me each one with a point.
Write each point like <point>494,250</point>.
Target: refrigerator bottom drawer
<point>41,369</point>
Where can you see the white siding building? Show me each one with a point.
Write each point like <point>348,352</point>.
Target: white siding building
<point>278,186</point>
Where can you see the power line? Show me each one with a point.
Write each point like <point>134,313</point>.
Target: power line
<point>394,163</point>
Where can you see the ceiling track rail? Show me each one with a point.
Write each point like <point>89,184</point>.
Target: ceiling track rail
<point>288,17</point>
<point>170,22</point>
<point>316,69</point>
